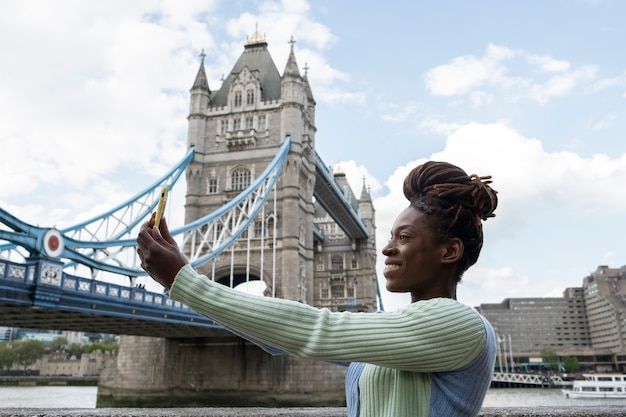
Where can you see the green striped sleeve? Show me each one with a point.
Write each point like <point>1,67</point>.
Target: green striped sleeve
<point>427,336</point>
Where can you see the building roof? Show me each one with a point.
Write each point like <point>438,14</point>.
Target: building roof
<point>258,60</point>
<point>201,80</point>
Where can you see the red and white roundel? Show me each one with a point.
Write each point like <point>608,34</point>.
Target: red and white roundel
<point>53,243</point>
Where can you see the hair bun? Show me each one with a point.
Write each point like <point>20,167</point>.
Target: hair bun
<point>446,181</point>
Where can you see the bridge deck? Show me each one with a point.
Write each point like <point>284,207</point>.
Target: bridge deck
<point>81,304</point>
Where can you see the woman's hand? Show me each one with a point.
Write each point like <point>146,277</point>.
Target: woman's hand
<point>159,253</point>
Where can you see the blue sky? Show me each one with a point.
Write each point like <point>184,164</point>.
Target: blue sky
<point>94,99</point>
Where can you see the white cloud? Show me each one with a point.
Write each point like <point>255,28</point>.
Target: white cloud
<point>473,76</point>
<point>358,176</point>
<point>466,73</point>
<point>335,96</point>
<point>480,98</point>
<point>609,83</point>
<point>561,84</point>
<point>395,113</point>
<point>608,258</point>
<point>435,125</point>
<point>548,64</point>
<point>606,122</point>
<point>531,183</point>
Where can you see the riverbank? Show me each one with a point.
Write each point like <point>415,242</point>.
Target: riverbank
<point>608,411</point>
<point>43,381</point>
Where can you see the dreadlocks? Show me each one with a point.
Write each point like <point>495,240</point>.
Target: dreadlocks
<point>454,204</point>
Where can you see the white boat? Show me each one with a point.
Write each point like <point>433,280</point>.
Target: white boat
<point>598,386</point>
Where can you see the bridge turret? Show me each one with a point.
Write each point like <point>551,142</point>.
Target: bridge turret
<point>198,104</point>
<point>366,209</point>
<point>296,105</point>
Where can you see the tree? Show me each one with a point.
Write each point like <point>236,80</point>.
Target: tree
<point>102,347</point>
<point>58,344</point>
<point>549,356</point>
<point>28,351</point>
<point>74,350</point>
<point>571,363</point>
<point>7,356</point>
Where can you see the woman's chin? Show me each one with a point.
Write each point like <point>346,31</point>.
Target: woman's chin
<point>390,286</point>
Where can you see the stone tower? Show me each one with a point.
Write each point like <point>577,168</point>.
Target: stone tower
<point>236,131</point>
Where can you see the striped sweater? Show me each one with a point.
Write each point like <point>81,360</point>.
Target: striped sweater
<point>432,358</point>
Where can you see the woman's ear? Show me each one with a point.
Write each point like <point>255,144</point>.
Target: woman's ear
<point>453,251</point>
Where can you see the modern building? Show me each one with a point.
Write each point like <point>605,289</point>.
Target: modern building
<point>605,298</point>
<point>588,323</point>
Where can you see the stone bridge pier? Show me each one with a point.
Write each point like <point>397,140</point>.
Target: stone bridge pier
<point>220,370</point>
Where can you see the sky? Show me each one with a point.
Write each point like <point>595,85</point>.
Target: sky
<point>94,98</point>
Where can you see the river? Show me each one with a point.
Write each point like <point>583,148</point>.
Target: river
<point>85,397</point>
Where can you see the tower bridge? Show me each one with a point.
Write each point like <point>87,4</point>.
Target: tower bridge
<point>260,204</point>
<point>39,293</point>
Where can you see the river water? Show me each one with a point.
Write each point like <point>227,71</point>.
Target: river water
<point>85,397</point>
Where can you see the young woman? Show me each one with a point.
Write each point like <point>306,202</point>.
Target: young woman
<point>432,358</point>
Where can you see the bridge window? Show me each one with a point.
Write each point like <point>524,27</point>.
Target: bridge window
<point>249,123</point>
<point>212,186</point>
<point>223,127</point>
<point>270,226</point>
<point>240,179</point>
<point>237,124</point>
<point>355,264</point>
<point>337,291</point>
<point>262,122</point>
<point>336,263</point>
<point>324,292</point>
<point>258,229</point>
<point>320,265</point>
<point>237,99</point>
<point>250,97</point>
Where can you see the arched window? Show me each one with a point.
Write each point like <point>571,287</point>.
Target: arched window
<point>336,263</point>
<point>240,179</point>
<point>237,99</point>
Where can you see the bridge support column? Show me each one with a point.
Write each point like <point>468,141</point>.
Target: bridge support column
<point>222,370</point>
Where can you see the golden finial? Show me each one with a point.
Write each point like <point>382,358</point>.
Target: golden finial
<point>256,38</point>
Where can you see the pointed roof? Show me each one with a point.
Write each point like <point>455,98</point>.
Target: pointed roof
<point>201,79</point>
<point>365,193</point>
<point>258,60</point>
<point>292,66</point>
<point>307,86</point>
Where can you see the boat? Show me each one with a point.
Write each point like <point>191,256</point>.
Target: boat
<point>598,386</point>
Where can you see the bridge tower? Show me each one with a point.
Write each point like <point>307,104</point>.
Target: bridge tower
<point>236,131</point>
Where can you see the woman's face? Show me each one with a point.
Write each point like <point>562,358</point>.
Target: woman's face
<point>415,258</point>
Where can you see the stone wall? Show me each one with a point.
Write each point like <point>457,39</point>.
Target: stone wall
<point>221,370</point>
<point>595,411</point>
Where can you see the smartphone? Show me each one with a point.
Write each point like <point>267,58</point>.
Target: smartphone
<point>160,207</point>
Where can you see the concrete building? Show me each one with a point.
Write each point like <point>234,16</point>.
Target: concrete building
<point>588,322</point>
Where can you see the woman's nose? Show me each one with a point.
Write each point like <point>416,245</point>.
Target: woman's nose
<point>388,250</point>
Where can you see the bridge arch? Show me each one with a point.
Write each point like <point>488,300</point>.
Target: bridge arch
<point>240,275</point>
